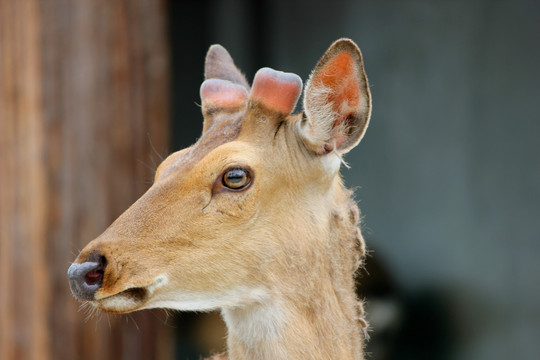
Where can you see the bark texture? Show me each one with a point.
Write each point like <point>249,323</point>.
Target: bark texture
<point>83,103</point>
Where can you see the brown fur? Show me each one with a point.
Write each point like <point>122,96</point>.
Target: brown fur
<point>278,258</point>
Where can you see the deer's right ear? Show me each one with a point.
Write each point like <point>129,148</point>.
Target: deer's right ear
<point>337,101</point>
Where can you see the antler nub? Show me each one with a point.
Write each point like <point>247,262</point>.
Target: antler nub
<point>217,93</point>
<point>277,90</point>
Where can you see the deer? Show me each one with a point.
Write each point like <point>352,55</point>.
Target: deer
<point>254,219</point>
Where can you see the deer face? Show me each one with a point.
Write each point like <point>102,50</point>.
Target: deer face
<point>214,228</point>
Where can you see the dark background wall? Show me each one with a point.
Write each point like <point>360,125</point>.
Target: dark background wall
<point>449,170</point>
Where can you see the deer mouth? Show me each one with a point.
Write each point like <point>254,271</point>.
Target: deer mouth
<point>125,301</point>
<point>128,300</point>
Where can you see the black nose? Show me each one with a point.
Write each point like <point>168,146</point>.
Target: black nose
<point>85,279</point>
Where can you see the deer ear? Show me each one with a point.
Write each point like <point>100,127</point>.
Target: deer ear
<point>220,65</point>
<point>337,101</point>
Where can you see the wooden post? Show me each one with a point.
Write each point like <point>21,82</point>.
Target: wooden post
<point>83,101</point>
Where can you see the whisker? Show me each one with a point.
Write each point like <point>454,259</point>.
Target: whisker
<point>154,148</point>
<point>151,168</point>
<point>109,321</point>
<point>165,320</point>
<point>134,322</point>
<point>76,253</point>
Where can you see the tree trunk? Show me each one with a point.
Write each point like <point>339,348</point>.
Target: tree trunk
<point>83,104</point>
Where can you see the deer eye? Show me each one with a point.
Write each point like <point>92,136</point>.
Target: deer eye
<point>236,178</point>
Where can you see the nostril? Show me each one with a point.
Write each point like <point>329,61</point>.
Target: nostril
<point>94,277</point>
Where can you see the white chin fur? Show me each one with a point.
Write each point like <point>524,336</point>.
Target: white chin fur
<point>119,303</point>
<point>208,301</point>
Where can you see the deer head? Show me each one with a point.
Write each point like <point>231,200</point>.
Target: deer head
<point>245,215</point>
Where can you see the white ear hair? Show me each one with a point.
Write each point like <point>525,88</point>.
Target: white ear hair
<point>318,106</point>
<point>337,101</point>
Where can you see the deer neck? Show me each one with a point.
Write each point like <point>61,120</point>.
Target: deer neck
<point>313,312</point>
<point>282,329</point>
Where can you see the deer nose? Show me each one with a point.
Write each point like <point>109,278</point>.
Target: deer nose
<point>86,278</point>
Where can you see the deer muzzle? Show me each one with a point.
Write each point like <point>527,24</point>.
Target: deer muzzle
<point>86,278</point>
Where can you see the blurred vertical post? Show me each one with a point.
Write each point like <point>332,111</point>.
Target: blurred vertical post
<point>84,101</point>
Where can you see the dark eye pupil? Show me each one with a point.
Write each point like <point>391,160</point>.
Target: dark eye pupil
<point>235,178</point>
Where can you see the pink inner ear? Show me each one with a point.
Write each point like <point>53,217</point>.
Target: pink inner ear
<point>277,90</point>
<point>219,93</point>
<point>341,77</point>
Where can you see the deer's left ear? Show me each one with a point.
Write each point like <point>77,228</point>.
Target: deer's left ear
<point>337,101</point>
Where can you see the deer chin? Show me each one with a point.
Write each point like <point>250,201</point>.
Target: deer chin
<point>130,299</point>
